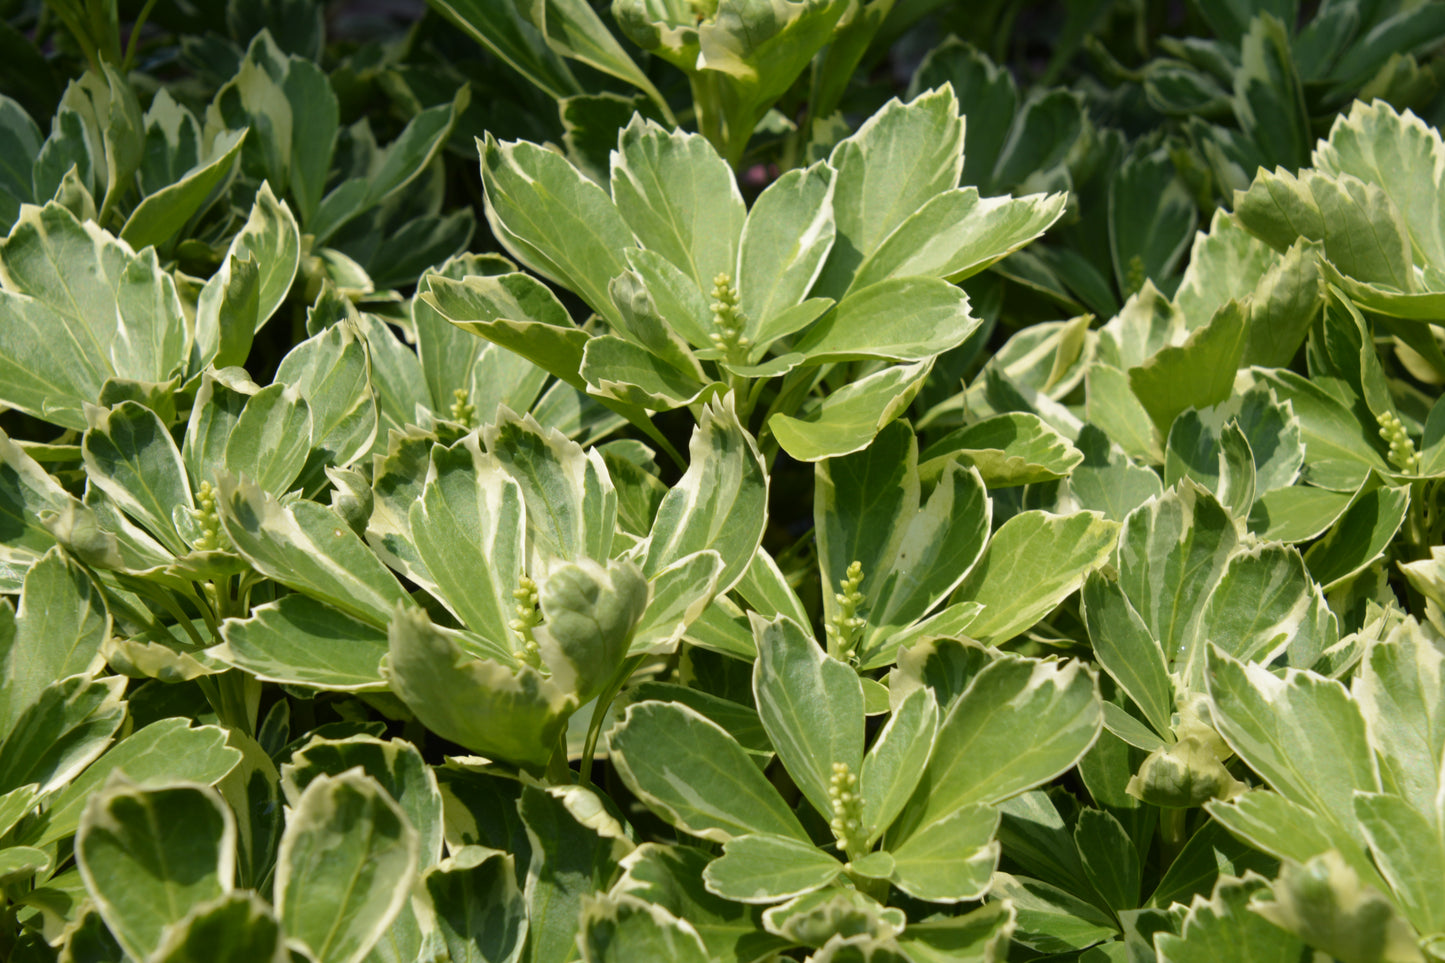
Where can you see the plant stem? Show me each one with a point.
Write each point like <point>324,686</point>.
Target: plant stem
<point>599,712</point>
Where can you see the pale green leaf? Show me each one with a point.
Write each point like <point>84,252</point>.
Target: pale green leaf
<point>61,732</point>
<point>149,856</point>
<point>300,641</point>
<point>898,319</point>
<point>951,859</point>
<point>1019,723</point>
<point>345,867</point>
<point>397,767</point>
<point>1032,563</point>
<point>695,775</point>
<point>759,868</point>
<point>1013,448</point>
<point>238,927</point>
<point>485,705</point>
<point>680,199</point>
<point>619,928</point>
<point>788,233</point>
<point>58,631</point>
<point>1128,651</point>
<point>849,418</point>
<point>308,547</point>
<point>810,704</point>
<point>896,761</point>
<point>478,906</point>
<point>1172,552</point>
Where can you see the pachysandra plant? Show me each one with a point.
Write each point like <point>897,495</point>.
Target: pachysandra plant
<point>845,262</point>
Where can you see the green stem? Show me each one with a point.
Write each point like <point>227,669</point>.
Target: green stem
<point>599,712</point>
<point>707,105</point>
<point>1172,828</point>
<point>140,20</point>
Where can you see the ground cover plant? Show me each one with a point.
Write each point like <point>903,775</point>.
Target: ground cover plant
<point>723,482</point>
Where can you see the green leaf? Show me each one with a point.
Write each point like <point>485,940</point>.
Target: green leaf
<point>234,928</point>
<point>1172,552</point>
<point>272,238</point>
<point>555,221</point>
<point>467,528</point>
<point>899,319</point>
<point>1411,856</point>
<point>680,199</point>
<point>1019,723</point>
<point>479,908</point>
<point>503,30</point>
<point>1266,605</point>
<point>1032,563</point>
<point>1217,927</point>
<point>575,844</point>
<point>590,612</point>
<point>620,370</point>
<point>1341,213</point>
<point>1111,404</point>
<point>308,547</point>
<point>489,707</point>
<point>1151,218</point>
<point>1260,715</point>
<point>719,504</point>
<point>896,162</point>
<point>670,876</point>
<point>810,704</point>
<point>760,868</point>
<point>686,768</point>
<point>57,632</point>
<point>618,928</point>
<point>1360,535</point>
<point>27,492</point>
<point>849,418</point>
<point>1014,448</point>
<point>331,372</point>
<point>132,458</point>
<point>1269,100</point>
<point>571,504</point>
<point>814,918</point>
<point>61,732</point>
<point>160,217</point>
<point>1128,651</point>
<point>979,936</point>
<point>1109,857</point>
<point>166,751</point>
<point>515,312</point>
<point>300,641</point>
<point>108,313</point>
<point>396,766</point>
<point>345,867</point>
<point>950,859</point>
<point>149,856</point>
<point>1326,901</point>
<point>1402,155</point>
<point>1398,689</point>
<point>1051,920</point>
<point>1339,450</point>
<point>958,234</point>
<point>896,761</point>
<point>1195,374</point>
<point>786,237</point>
<point>270,440</point>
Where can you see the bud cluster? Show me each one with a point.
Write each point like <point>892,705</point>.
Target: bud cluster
<point>462,410</point>
<point>847,821</point>
<point>526,619</point>
<point>1402,451</point>
<point>844,629</point>
<point>729,320</point>
<point>211,537</point>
